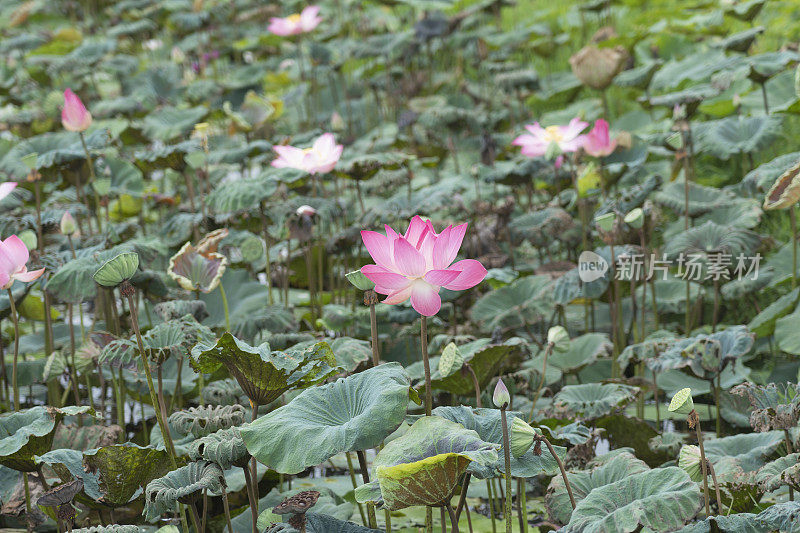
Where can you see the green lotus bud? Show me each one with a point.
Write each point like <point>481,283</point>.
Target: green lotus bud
<point>501,397</point>
<point>358,280</point>
<point>29,239</point>
<point>559,338</point>
<point>30,160</point>
<point>682,402</point>
<point>451,360</point>
<point>522,437</point>
<point>635,218</point>
<point>605,222</point>
<point>68,225</point>
<point>117,269</point>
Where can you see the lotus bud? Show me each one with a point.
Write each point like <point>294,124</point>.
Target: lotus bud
<point>29,239</point>
<point>306,211</point>
<point>522,437</point>
<point>74,115</point>
<point>635,218</point>
<point>558,338</point>
<point>359,281</point>
<point>451,360</point>
<point>682,402</point>
<point>68,225</point>
<point>501,397</point>
<point>337,122</point>
<point>606,222</point>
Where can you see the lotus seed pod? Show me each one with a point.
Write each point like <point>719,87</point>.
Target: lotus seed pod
<point>559,338</point>
<point>68,225</point>
<point>501,397</point>
<point>117,269</point>
<point>635,218</point>
<point>606,222</point>
<point>682,402</point>
<point>358,280</point>
<point>522,437</point>
<point>451,360</point>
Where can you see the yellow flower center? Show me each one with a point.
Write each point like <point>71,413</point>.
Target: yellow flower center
<point>554,134</point>
<point>294,19</point>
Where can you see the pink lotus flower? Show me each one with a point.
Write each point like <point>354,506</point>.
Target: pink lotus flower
<point>319,159</point>
<point>74,115</point>
<point>6,188</point>
<point>13,258</point>
<point>537,142</point>
<point>416,265</point>
<point>597,142</point>
<point>295,24</point>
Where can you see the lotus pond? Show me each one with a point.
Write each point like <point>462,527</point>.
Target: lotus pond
<point>399,266</point>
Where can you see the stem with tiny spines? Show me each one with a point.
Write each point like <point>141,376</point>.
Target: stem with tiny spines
<point>423,334</point>
<point>362,463</point>
<point>507,474</point>
<point>547,350</point>
<point>15,320</point>
<point>560,467</point>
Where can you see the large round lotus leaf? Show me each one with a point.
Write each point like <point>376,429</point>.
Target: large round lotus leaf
<point>113,528</point>
<point>663,499</point>
<point>593,400</point>
<point>204,420</point>
<point>486,360</point>
<point>351,414</point>
<point>125,470</point>
<point>524,302</point>
<point>702,199</point>
<point>745,452</point>
<point>710,239</point>
<point>706,355</point>
<point>581,351</point>
<point>323,523</point>
<point>763,324</point>
<point>30,432</point>
<point>582,483</point>
<point>182,485</point>
<point>486,423</point>
<point>68,464</point>
<point>782,471</point>
<point>422,467</point>
<point>175,337</point>
<point>168,123</point>
<point>737,134</point>
<point>263,374</point>
<point>52,149</point>
<point>772,406</point>
<point>349,352</point>
<point>225,447</point>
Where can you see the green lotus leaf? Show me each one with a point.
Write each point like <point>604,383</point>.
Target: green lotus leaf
<point>737,134</point>
<point>117,269</point>
<point>30,432</point>
<point>349,352</point>
<point>702,199</point>
<point>747,10</point>
<point>240,195</point>
<point>196,270</point>
<point>593,400</point>
<point>111,528</point>
<point>706,355</point>
<point>556,499</point>
<point>168,123</point>
<point>764,176</point>
<point>738,289</point>
<point>742,453</point>
<point>773,406</point>
<point>264,374</point>
<point>668,443</point>
<point>524,302</point>
<point>706,242</point>
<point>689,462</point>
<point>541,226</point>
<point>323,523</point>
<point>781,516</point>
<point>778,517</point>
<point>782,471</point>
<point>351,414</point>
<point>786,333</point>
<point>486,423</point>
<point>183,485</point>
<point>423,466</point>
<point>651,347</point>
<point>204,420</point>
<point>224,447</point>
<point>487,361</point>
<point>223,392</point>
<point>60,149</point>
<point>124,470</point>
<point>68,465</point>
<point>740,41</point>
<point>663,499</point>
<point>581,351</point>
<point>175,309</point>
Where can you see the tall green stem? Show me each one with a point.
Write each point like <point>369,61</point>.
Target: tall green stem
<point>225,307</point>
<point>561,468</point>
<point>423,336</point>
<point>92,182</point>
<point>15,320</point>
<point>362,463</point>
<point>507,456</point>
<point>547,350</point>
<point>793,223</point>
<point>694,419</point>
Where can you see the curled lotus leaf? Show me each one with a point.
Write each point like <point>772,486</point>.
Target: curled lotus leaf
<point>323,523</point>
<point>486,360</point>
<point>175,309</point>
<point>663,499</point>
<point>782,471</point>
<point>30,432</point>
<point>583,482</point>
<point>204,420</point>
<point>351,414</point>
<point>593,400</point>
<point>222,392</point>
<point>111,528</point>
<point>183,485</point>
<point>125,470</point>
<point>423,466</point>
<point>61,494</point>
<point>774,406</point>
<point>706,354</point>
<point>785,192</point>
<point>451,360</point>
<point>196,270</point>
<point>263,374</point>
<point>224,447</point>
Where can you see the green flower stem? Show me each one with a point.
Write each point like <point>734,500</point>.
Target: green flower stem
<point>355,485</point>
<point>716,486</point>
<point>522,505</point>
<point>92,182</point>
<point>423,336</point>
<point>462,500</point>
<point>560,467</point>
<point>254,471</point>
<point>548,349</point>
<point>789,449</point>
<point>507,455</point>
<point>475,384</point>
<point>15,320</point>
<point>694,420</point>
<point>225,306</point>
<point>491,504</point>
<point>268,267</point>
<point>793,223</point>
<point>129,292</point>
<point>251,498</point>
<point>362,463</point>
<point>195,517</point>
<point>453,518</point>
<point>226,507</point>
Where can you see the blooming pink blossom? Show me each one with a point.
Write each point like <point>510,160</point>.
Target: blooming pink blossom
<point>13,258</point>
<point>74,115</point>
<point>416,265</point>
<point>319,159</point>
<point>296,24</point>
<point>597,142</point>
<point>6,188</point>
<point>538,140</point>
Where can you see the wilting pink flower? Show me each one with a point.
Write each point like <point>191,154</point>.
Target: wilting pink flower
<point>74,115</point>
<point>416,265</point>
<point>597,142</point>
<point>6,188</point>
<point>319,159</point>
<point>306,211</point>
<point>567,138</point>
<point>13,258</point>
<point>295,24</point>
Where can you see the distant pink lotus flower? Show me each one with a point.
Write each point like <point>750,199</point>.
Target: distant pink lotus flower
<point>74,115</point>
<point>416,265</point>
<point>6,188</point>
<point>319,159</point>
<point>567,138</point>
<point>13,258</point>
<point>597,142</point>
<point>295,24</point>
